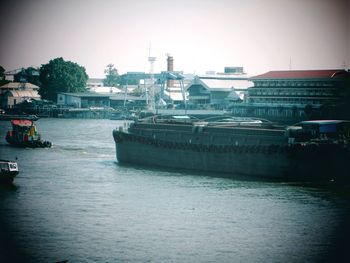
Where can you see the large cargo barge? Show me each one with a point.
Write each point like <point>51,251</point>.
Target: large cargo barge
<point>310,150</point>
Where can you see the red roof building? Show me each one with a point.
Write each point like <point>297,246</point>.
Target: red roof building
<point>303,74</point>
<point>290,94</point>
<point>297,87</point>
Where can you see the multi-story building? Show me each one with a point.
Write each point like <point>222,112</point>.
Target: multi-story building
<point>292,94</point>
<point>302,87</point>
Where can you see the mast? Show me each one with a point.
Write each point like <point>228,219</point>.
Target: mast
<point>125,91</point>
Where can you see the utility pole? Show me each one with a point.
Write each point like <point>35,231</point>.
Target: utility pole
<point>151,99</point>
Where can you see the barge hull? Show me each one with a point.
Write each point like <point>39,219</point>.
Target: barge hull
<point>278,165</point>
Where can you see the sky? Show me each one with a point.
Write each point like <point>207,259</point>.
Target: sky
<point>201,35</point>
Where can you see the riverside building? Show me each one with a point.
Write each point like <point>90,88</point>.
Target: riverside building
<point>292,94</point>
<point>14,93</point>
<point>218,90</point>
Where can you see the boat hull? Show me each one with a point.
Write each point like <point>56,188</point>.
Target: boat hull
<point>7,177</point>
<point>279,162</point>
<point>30,144</point>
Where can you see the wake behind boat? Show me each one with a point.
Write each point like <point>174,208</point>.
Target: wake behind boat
<point>309,150</point>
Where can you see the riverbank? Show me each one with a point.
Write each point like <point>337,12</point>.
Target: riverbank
<point>118,114</point>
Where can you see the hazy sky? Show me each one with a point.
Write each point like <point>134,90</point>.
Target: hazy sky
<point>201,35</point>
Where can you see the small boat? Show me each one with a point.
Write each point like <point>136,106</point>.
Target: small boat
<point>8,171</point>
<point>24,134</point>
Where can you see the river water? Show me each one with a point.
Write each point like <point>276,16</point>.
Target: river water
<point>75,202</point>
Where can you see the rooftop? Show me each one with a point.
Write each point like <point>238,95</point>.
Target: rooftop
<point>24,93</point>
<point>19,85</point>
<point>302,74</point>
<point>221,84</point>
<point>121,96</point>
<point>86,94</point>
<point>227,84</point>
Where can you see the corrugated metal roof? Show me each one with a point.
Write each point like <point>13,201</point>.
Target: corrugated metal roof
<point>227,84</point>
<point>217,84</point>
<point>301,74</point>
<point>85,94</point>
<point>24,93</point>
<point>105,89</point>
<point>121,96</point>
<point>19,85</point>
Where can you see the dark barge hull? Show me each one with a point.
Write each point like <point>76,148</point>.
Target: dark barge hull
<point>274,161</point>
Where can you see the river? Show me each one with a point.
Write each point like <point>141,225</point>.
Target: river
<point>75,202</point>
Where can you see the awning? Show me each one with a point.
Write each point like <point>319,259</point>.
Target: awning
<point>22,122</point>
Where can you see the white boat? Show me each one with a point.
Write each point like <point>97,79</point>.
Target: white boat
<point>8,171</point>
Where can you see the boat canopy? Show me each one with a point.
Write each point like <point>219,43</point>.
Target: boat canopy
<point>321,122</point>
<point>181,117</point>
<point>23,123</point>
<point>327,126</point>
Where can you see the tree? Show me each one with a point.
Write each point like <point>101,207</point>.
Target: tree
<point>131,78</point>
<point>137,91</point>
<point>112,76</point>
<point>3,81</point>
<point>30,75</point>
<point>61,76</point>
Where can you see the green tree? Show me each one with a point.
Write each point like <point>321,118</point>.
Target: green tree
<point>3,81</point>
<point>112,77</point>
<point>30,75</point>
<point>61,76</point>
<point>137,91</point>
